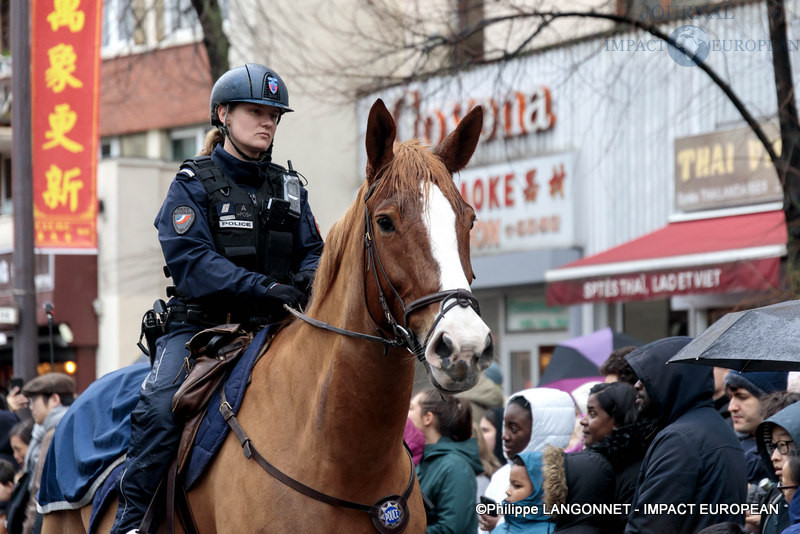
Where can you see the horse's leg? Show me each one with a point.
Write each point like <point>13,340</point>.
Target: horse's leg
<point>65,522</point>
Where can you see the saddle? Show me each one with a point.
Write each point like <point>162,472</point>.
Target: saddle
<point>213,352</point>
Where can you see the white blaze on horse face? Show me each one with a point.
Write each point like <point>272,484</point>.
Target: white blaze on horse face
<point>457,348</point>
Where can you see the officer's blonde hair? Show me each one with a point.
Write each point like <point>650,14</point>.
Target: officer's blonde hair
<point>213,138</point>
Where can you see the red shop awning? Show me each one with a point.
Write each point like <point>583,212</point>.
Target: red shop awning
<point>719,255</point>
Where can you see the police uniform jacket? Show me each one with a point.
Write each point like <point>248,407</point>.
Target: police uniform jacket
<point>200,272</point>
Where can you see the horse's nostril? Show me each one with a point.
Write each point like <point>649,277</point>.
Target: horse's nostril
<point>489,350</point>
<point>444,347</point>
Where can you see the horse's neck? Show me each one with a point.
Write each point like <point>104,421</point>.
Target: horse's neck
<point>363,398</point>
<point>348,401</point>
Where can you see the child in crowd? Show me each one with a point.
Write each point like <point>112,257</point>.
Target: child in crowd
<point>526,489</point>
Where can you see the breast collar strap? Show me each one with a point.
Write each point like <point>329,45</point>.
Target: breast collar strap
<point>377,511</point>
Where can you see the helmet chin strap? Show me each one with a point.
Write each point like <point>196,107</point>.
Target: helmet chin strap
<point>224,129</point>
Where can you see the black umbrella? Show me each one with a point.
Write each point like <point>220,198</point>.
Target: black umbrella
<point>761,339</point>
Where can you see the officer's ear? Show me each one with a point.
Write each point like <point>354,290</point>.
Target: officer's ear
<point>222,113</point>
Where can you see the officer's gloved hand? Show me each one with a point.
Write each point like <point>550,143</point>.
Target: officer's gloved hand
<point>287,294</point>
<point>303,280</point>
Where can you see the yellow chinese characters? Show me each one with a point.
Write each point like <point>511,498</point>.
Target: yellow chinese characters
<point>62,188</point>
<point>62,65</point>
<point>66,13</point>
<point>62,120</point>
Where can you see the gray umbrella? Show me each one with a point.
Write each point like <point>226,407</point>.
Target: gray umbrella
<point>761,339</point>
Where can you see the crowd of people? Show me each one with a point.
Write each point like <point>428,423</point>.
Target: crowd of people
<point>28,418</point>
<point>660,448</point>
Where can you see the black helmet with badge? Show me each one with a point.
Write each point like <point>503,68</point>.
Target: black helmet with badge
<point>252,83</point>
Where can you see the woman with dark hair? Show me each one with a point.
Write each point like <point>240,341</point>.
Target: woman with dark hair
<point>612,429</point>
<point>20,436</point>
<point>491,426</point>
<point>450,460</point>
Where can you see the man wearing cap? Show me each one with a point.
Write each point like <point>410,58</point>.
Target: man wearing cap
<point>745,391</point>
<point>48,396</point>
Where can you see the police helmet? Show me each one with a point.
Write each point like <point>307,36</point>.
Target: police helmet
<point>252,83</point>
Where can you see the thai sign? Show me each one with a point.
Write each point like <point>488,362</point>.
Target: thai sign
<point>65,78</point>
<point>521,205</point>
<point>724,169</point>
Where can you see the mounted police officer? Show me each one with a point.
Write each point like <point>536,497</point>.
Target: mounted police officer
<point>239,241</point>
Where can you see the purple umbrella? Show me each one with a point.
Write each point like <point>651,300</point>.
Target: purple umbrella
<point>578,360</point>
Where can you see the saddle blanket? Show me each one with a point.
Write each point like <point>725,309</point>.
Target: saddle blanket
<point>92,438</point>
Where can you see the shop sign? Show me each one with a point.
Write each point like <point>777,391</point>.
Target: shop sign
<point>522,112</point>
<point>752,275</point>
<point>521,205</point>
<point>532,314</point>
<point>65,89</point>
<point>724,169</point>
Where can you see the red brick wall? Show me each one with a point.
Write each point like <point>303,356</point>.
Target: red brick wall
<point>166,88</point>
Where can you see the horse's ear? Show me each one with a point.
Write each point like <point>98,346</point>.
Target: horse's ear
<point>380,136</point>
<point>457,148</point>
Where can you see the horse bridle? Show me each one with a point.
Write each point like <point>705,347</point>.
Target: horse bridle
<point>403,337</point>
<point>396,505</point>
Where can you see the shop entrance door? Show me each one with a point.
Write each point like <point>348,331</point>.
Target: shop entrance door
<point>522,356</point>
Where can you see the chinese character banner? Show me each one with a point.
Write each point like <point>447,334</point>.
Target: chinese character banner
<point>65,82</point>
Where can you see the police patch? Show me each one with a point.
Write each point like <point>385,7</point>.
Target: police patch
<point>182,219</point>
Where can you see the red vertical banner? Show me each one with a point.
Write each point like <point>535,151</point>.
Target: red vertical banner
<point>65,87</point>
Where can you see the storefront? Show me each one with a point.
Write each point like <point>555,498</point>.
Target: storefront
<point>723,244</point>
<point>613,189</point>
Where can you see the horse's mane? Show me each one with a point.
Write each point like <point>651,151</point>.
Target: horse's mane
<point>413,163</point>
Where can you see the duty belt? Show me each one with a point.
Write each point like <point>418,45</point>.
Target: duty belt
<point>200,316</point>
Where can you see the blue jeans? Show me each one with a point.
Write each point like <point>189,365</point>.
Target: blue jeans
<point>155,434</point>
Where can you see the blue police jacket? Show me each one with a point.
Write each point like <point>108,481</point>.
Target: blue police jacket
<point>198,270</point>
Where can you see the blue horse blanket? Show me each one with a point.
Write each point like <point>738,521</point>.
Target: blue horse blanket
<point>92,438</point>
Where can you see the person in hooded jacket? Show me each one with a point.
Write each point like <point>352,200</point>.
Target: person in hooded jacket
<point>777,439</point>
<point>579,478</point>
<point>612,429</point>
<point>695,456</point>
<point>526,490</point>
<point>450,460</point>
<point>533,419</point>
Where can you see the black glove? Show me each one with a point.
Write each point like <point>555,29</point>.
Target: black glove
<point>303,280</point>
<point>288,295</point>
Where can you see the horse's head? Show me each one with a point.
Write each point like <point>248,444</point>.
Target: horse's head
<point>418,258</point>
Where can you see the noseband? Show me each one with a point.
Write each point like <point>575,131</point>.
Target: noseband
<point>402,335</point>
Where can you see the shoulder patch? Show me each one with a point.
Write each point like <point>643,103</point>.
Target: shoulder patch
<point>182,219</point>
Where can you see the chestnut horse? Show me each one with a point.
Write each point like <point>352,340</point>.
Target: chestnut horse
<point>328,408</point>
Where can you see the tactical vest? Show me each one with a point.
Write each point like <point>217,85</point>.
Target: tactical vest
<point>253,230</point>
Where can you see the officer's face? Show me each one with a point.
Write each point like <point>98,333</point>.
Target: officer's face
<point>252,127</point>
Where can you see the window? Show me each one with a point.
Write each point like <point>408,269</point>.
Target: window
<point>117,24</point>
<point>185,143</point>
<point>109,147</point>
<point>179,15</point>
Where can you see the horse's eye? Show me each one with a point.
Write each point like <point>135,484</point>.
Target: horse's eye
<point>472,223</point>
<point>385,223</point>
